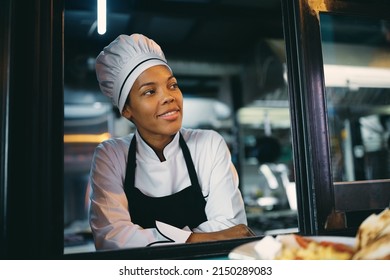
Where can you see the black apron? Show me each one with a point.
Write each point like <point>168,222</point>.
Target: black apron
<point>184,208</point>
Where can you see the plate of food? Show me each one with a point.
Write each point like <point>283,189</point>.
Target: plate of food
<point>372,241</point>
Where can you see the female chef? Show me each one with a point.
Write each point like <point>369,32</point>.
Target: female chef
<point>163,183</point>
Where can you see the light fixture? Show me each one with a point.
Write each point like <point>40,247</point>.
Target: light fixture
<point>86,138</point>
<point>101,16</point>
<point>355,77</point>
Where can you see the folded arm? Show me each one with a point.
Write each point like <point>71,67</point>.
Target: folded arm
<point>238,231</point>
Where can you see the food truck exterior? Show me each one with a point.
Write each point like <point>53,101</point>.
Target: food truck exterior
<point>332,198</point>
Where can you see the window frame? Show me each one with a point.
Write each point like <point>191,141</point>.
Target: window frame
<point>32,187</point>
<point>316,191</point>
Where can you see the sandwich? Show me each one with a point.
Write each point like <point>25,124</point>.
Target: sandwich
<point>373,237</point>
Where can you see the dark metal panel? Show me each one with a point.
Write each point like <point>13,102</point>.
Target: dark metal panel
<point>34,198</point>
<point>306,89</point>
<point>292,41</point>
<point>362,195</point>
<point>4,95</point>
<point>201,250</point>
<point>315,119</point>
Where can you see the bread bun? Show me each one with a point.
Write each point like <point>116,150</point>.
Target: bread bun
<point>376,250</point>
<point>373,237</point>
<point>373,227</point>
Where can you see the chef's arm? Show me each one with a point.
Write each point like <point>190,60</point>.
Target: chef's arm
<point>238,231</point>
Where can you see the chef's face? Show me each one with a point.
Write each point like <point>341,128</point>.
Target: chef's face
<point>155,103</point>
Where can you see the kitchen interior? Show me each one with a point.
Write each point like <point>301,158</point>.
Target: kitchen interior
<point>230,61</point>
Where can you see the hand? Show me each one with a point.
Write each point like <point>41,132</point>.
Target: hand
<point>238,231</point>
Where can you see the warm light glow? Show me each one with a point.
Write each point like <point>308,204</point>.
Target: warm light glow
<point>355,77</point>
<point>101,16</point>
<point>86,138</point>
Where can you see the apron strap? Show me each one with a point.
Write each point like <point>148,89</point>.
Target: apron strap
<point>147,209</point>
<point>131,162</point>
<point>189,162</point>
<point>130,168</point>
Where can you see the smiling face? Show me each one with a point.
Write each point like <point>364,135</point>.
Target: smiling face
<point>155,104</point>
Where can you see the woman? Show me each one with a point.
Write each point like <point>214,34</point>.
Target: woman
<point>164,183</point>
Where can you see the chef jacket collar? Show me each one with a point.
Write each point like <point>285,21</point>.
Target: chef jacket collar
<point>146,153</point>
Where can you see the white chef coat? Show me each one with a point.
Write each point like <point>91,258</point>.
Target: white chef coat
<point>110,219</point>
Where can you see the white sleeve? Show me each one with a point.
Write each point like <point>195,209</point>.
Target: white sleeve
<point>109,216</point>
<point>224,206</point>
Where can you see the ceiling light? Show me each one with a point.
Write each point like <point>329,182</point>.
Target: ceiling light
<point>101,16</point>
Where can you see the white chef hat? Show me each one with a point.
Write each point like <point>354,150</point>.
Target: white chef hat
<point>122,61</point>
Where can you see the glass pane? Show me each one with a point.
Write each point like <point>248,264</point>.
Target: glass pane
<point>267,173</point>
<point>356,54</point>
<point>236,89</point>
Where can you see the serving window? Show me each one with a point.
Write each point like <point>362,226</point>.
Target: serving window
<point>357,75</point>
<point>327,105</point>
<point>341,104</point>
<point>240,92</point>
